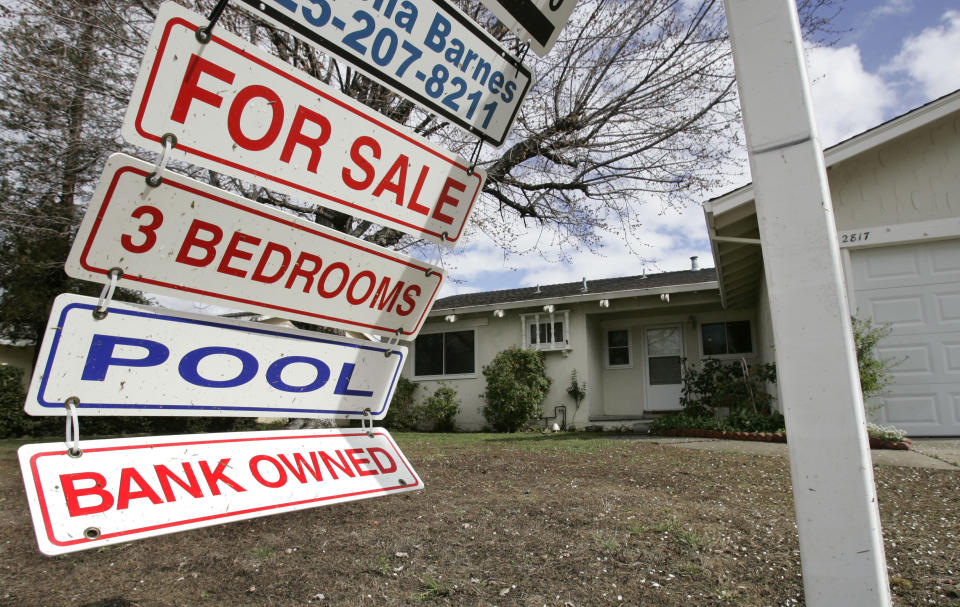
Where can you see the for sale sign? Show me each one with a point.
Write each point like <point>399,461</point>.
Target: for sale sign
<point>140,360</point>
<point>189,239</point>
<point>120,490</point>
<point>427,50</point>
<point>238,110</point>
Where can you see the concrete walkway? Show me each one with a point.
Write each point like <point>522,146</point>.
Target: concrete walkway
<point>935,453</point>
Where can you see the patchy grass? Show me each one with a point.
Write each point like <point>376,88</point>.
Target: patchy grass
<point>506,520</point>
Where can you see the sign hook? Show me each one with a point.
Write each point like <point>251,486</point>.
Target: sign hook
<point>205,33</point>
<point>73,427</point>
<point>363,422</point>
<point>169,141</point>
<point>106,294</point>
<point>393,341</point>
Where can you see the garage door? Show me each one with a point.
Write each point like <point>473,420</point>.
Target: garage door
<point>916,288</point>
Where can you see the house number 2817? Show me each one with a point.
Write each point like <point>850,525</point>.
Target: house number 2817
<point>851,237</point>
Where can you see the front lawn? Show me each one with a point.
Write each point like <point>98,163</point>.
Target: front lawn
<point>533,520</point>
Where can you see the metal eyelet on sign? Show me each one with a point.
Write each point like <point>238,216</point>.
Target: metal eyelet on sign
<point>91,533</point>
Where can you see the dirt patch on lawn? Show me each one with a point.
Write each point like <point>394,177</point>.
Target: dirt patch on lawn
<point>506,521</point>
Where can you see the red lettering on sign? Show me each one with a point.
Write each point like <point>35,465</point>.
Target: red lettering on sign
<point>268,252</point>
<point>192,240</point>
<point>233,250</point>
<point>414,205</point>
<point>312,143</point>
<point>408,298</point>
<point>373,451</point>
<point>255,471</point>
<point>130,476</point>
<point>240,102</point>
<point>219,476</point>
<point>191,485</point>
<point>386,298</point>
<point>301,463</point>
<point>342,464</point>
<point>322,283</point>
<point>357,462</point>
<point>351,294</point>
<point>362,163</point>
<point>190,88</point>
<point>447,199</point>
<point>387,184</point>
<point>298,270</point>
<point>73,494</point>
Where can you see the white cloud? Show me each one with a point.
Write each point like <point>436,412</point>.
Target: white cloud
<point>893,7</point>
<point>666,242</point>
<point>932,57</point>
<point>847,99</point>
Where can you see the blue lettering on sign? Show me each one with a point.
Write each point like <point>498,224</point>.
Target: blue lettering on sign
<point>191,361</point>
<point>101,358</point>
<point>276,369</point>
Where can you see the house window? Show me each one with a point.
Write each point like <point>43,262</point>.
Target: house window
<point>546,331</point>
<point>450,353</point>
<point>618,348</point>
<point>719,338</point>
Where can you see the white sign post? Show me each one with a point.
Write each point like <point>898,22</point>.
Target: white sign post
<point>541,21</point>
<point>426,50</point>
<point>240,111</point>
<point>188,239</point>
<point>120,490</point>
<point>841,546</point>
<point>143,360</point>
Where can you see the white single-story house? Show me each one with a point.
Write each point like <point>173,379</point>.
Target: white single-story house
<point>896,197</point>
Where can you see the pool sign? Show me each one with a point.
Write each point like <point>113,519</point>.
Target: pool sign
<point>188,239</point>
<point>238,110</point>
<point>427,50</point>
<point>120,490</point>
<point>141,360</point>
<point>539,20</point>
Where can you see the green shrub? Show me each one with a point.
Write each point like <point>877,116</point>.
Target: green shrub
<point>440,410</point>
<point>517,384</point>
<point>738,421</point>
<point>403,411</point>
<point>874,372</point>
<point>715,384</point>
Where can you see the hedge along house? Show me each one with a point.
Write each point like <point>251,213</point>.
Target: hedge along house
<point>628,340</point>
<point>896,197</point>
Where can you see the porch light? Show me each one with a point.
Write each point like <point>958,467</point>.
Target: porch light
<point>450,318</point>
<point>498,313</point>
<point>548,308</point>
<point>665,297</point>
<point>604,303</point>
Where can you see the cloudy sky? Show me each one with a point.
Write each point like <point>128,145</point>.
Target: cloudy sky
<point>893,56</point>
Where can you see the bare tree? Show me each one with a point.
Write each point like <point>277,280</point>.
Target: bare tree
<point>65,73</point>
<point>636,103</point>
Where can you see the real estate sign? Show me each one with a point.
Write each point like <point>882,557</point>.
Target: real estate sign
<point>144,360</point>
<point>120,490</point>
<point>188,239</point>
<point>426,50</point>
<point>240,111</point>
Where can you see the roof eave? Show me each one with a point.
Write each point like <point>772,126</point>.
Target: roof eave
<point>527,303</point>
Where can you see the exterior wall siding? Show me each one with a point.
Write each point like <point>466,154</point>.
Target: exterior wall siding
<point>911,179</point>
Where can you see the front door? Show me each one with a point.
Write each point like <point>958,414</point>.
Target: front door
<point>663,348</point>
